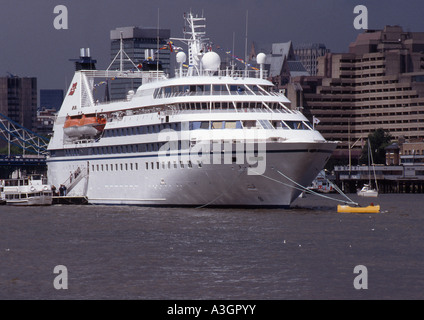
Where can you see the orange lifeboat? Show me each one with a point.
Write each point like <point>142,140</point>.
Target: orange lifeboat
<point>72,121</point>
<point>84,125</point>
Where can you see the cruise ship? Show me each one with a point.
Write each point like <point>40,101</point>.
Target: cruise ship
<point>209,136</point>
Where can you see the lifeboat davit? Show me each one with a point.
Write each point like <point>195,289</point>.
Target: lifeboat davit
<point>84,125</point>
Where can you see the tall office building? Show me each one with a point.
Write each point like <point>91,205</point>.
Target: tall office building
<point>138,44</point>
<point>18,99</point>
<point>308,54</point>
<point>378,84</point>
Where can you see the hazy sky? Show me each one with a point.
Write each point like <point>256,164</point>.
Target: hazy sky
<point>31,46</point>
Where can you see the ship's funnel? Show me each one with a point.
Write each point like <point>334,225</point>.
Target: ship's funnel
<point>84,62</point>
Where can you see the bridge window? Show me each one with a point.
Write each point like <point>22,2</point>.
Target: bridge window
<point>233,125</point>
<point>249,124</point>
<point>279,125</point>
<point>194,125</point>
<point>266,124</point>
<point>217,125</point>
<point>297,125</point>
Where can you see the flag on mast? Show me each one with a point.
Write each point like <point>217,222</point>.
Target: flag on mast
<point>315,121</point>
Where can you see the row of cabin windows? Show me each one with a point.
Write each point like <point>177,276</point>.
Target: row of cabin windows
<point>143,147</point>
<point>205,89</point>
<point>249,124</point>
<point>253,106</point>
<point>27,195</point>
<point>129,131</point>
<point>152,165</point>
<point>130,148</point>
<point>194,125</point>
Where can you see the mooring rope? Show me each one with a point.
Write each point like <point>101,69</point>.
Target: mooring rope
<point>341,192</point>
<point>302,188</point>
<point>337,189</point>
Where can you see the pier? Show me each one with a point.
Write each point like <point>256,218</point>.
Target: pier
<point>70,200</point>
<point>390,179</point>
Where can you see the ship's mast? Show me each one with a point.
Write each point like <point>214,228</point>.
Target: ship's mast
<point>194,41</point>
<point>121,54</point>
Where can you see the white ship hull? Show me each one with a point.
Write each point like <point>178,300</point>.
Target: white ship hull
<point>208,185</point>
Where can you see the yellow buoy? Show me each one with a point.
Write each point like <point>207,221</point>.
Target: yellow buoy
<point>370,209</point>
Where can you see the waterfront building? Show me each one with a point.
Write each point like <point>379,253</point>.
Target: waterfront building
<point>308,54</point>
<point>411,153</point>
<point>379,83</point>
<point>140,44</point>
<point>393,155</point>
<point>18,100</point>
<point>282,65</point>
<point>45,121</point>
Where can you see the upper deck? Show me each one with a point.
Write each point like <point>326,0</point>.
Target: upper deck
<point>198,79</point>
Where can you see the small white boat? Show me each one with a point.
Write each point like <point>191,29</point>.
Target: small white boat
<point>29,191</point>
<point>367,191</point>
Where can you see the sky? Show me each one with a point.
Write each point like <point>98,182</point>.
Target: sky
<point>31,46</point>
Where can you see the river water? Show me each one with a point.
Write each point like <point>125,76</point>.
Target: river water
<point>124,252</point>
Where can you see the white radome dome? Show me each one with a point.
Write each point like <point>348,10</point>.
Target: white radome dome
<point>261,58</point>
<point>181,57</point>
<point>211,61</point>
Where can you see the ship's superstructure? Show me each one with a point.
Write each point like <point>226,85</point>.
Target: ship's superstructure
<point>204,137</point>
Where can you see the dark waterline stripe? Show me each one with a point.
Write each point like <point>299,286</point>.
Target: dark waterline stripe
<point>188,154</point>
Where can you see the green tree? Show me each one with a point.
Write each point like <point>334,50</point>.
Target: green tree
<point>378,140</point>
